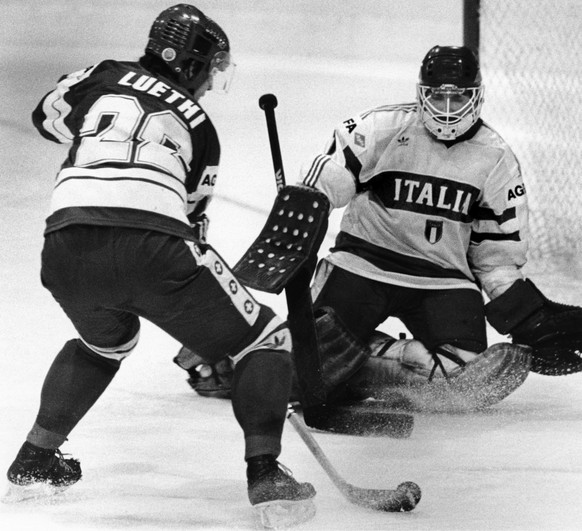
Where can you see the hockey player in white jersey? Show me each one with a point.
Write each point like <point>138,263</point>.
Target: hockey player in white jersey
<point>125,240</point>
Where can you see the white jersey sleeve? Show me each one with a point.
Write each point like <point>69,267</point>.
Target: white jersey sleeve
<point>499,237</point>
<point>355,144</point>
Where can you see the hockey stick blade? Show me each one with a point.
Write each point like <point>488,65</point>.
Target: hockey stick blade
<point>365,418</point>
<point>404,498</point>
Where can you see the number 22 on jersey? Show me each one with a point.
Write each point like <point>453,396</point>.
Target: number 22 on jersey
<point>118,130</point>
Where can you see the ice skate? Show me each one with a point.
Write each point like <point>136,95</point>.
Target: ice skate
<point>40,472</point>
<point>279,500</point>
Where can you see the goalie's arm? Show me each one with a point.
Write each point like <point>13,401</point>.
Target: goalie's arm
<point>499,231</point>
<point>336,171</point>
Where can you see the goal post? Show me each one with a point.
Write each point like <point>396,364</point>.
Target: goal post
<point>531,58</point>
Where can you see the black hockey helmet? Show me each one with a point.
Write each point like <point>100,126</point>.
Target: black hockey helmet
<point>190,43</point>
<point>449,91</point>
<point>456,65</point>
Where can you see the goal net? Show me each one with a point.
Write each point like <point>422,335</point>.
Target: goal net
<point>531,58</point>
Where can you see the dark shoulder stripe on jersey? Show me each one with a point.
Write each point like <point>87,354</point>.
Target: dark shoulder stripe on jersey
<point>331,148</point>
<point>478,237</point>
<point>352,163</point>
<point>387,260</point>
<point>486,214</point>
<point>404,107</point>
<point>314,172</point>
<point>112,179</point>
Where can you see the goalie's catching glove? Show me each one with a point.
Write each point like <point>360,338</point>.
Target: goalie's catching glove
<point>553,330</point>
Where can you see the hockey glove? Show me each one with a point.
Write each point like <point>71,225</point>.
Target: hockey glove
<point>207,379</point>
<point>553,330</point>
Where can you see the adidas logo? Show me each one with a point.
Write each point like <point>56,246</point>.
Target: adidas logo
<point>403,140</point>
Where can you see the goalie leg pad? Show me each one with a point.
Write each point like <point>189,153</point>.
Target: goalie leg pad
<point>484,381</point>
<point>341,353</point>
<point>290,238</point>
<point>414,364</point>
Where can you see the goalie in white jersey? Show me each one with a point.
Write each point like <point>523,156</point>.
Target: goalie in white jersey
<point>435,213</point>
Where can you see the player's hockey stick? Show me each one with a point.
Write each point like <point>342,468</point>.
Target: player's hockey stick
<point>403,498</point>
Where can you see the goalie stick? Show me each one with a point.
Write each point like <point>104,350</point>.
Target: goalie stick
<point>297,291</point>
<point>404,498</point>
<point>302,325</point>
<point>353,419</point>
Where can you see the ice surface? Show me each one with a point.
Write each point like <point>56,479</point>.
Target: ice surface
<point>156,456</point>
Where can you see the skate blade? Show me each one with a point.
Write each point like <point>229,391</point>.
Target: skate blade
<point>280,514</point>
<point>34,491</point>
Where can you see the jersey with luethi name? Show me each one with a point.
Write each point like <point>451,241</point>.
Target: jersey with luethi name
<point>143,153</point>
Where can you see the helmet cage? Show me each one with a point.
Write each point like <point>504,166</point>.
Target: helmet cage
<point>441,120</point>
<point>188,42</point>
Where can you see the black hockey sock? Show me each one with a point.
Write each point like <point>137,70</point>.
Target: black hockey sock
<point>74,382</point>
<point>260,393</point>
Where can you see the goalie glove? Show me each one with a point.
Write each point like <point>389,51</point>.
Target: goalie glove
<point>553,330</point>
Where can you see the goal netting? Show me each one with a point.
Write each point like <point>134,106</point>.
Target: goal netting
<point>531,59</point>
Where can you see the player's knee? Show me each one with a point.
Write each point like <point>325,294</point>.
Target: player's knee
<point>114,355</point>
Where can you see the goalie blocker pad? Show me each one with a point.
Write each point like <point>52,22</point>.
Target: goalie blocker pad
<point>489,378</point>
<point>290,238</point>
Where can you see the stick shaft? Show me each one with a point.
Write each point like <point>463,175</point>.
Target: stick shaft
<point>317,452</point>
<point>275,147</point>
<point>377,499</point>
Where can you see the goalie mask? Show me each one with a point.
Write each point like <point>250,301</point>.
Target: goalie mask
<point>449,91</point>
<point>194,47</point>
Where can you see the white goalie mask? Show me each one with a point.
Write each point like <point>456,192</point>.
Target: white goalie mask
<point>449,111</point>
<point>449,91</point>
